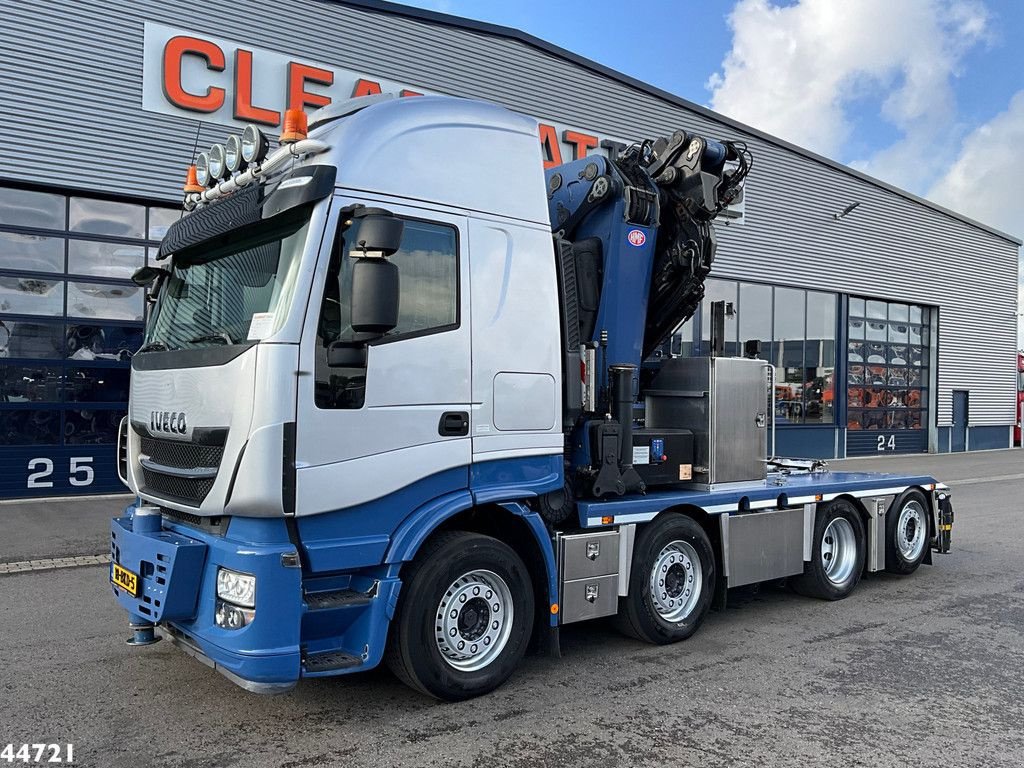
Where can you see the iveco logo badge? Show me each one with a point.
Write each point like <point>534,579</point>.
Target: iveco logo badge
<point>168,421</point>
<point>636,237</point>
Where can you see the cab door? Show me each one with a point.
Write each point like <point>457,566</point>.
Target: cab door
<point>363,433</point>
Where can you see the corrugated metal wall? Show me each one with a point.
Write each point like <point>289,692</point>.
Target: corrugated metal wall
<point>71,76</point>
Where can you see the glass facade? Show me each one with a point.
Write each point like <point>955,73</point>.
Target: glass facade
<point>797,332</point>
<point>887,356</point>
<point>70,320</point>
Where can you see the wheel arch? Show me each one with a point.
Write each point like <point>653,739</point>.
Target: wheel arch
<point>513,523</point>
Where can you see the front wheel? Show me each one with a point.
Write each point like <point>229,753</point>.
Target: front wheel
<point>464,617</point>
<point>671,583</point>
<point>837,553</point>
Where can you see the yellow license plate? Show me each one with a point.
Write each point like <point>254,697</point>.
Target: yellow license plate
<point>124,579</point>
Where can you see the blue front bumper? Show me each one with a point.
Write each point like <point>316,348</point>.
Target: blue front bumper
<point>177,570</point>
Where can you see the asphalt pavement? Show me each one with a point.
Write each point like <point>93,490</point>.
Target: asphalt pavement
<point>919,670</point>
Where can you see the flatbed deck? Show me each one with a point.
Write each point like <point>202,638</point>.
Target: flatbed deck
<point>778,491</point>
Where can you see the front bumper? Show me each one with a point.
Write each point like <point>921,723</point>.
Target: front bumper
<point>177,590</point>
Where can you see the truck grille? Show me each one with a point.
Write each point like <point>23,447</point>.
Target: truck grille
<point>168,455</point>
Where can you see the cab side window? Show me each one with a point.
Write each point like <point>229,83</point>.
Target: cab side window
<point>429,303</point>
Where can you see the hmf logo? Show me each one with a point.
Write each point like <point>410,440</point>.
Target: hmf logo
<point>209,78</point>
<point>171,422</point>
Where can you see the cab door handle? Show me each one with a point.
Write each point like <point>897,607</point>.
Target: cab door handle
<point>453,424</point>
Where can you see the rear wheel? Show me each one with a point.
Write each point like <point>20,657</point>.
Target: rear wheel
<point>906,533</point>
<point>464,617</point>
<point>837,553</point>
<point>671,583</point>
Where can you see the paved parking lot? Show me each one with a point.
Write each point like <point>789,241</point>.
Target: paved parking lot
<point>925,670</point>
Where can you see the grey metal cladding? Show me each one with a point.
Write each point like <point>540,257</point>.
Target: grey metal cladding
<point>72,82</point>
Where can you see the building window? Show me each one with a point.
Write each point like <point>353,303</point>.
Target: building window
<point>70,320</point>
<point>797,334</point>
<point>887,367</point>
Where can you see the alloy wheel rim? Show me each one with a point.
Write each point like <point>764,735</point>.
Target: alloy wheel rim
<point>839,550</point>
<point>676,581</point>
<point>474,620</point>
<point>910,531</point>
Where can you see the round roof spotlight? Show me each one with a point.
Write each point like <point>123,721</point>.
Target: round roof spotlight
<point>203,169</point>
<point>254,144</point>
<point>217,166</point>
<point>233,153</point>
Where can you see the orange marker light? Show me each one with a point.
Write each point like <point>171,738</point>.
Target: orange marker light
<point>607,520</point>
<point>554,608</point>
<point>295,126</point>
<point>192,182</point>
<point>818,497</point>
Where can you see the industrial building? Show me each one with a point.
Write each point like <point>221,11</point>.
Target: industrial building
<point>891,321</point>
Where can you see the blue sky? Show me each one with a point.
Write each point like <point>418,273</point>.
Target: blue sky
<point>919,93</point>
<point>924,94</point>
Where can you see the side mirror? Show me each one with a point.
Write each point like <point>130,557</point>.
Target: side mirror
<point>375,291</point>
<point>144,276</point>
<point>378,231</point>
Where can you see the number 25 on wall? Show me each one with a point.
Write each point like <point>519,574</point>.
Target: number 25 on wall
<point>80,472</point>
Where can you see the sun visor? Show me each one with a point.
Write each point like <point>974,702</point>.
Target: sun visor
<point>247,206</point>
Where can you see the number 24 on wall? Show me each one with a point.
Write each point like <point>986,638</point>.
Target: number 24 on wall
<point>886,443</point>
<point>80,472</point>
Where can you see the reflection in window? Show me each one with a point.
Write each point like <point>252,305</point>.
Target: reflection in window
<point>427,265</point>
<point>889,393</point>
<point>820,358</point>
<point>102,342</point>
<point>91,426</point>
<point>39,210</point>
<point>797,331</point>
<point>755,315</point>
<point>106,260</point>
<point>160,219</point>
<point>110,302</point>
<point>31,253</point>
<point>27,339</point>
<point>29,384</point>
<point>104,217</point>
<point>31,296</point>
<point>96,385</point>
<point>719,290</point>
<point>30,427</point>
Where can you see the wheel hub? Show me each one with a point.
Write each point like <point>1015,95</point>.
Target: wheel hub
<point>474,620</point>
<point>839,550</point>
<point>911,531</point>
<point>676,581</point>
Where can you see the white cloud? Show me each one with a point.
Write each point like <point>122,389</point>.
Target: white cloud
<point>795,70</point>
<point>984,181</point>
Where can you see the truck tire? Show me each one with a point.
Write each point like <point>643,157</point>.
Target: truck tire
<point>671,583</point>
<point>906,533</point>
<point>464,617</point>
<point>837,553</point>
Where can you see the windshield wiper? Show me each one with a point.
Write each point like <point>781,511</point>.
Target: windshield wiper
<point>154,346</point>
<point>222,337</point>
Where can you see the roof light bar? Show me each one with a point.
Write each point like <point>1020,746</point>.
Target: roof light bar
<point>233,154</point>
<point>203,169</point>
<point>254,145</point>
<point>218,169</point>
<point>274,161</point>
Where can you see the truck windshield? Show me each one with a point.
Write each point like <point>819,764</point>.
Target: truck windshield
<point>236,289</point>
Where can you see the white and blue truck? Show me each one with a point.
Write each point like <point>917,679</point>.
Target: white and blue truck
<point>405,396</point>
